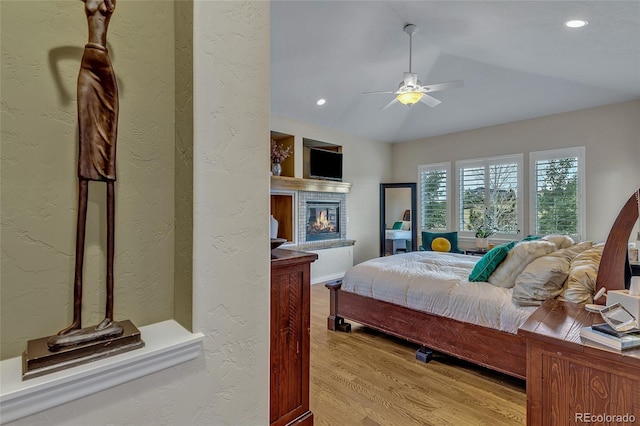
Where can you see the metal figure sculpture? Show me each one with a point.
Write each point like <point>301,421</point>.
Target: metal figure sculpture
<point>98,125</point>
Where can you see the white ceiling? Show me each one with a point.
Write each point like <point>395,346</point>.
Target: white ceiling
<point>517,60</point>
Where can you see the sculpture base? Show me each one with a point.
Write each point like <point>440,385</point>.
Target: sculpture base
<point>38,360</point>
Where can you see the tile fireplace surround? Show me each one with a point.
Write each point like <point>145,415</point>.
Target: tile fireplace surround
<point>310,196</point>
<point>335,256</point>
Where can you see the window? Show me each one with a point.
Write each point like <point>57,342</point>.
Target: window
<point>556,190</point>
<point>434,196</point>
<point>490,193</point>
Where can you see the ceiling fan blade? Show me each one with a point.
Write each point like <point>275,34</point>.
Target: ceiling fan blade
<point>378,93</point>
<point>430,100</point>
<point>442,86</point>
<point>393,101</point>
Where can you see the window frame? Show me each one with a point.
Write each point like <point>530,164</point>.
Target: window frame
<point>552,154</point>
<point>518,159</point>
<point>446,167</point>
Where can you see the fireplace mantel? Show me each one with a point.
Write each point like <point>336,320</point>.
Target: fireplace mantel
<point>298,184</point>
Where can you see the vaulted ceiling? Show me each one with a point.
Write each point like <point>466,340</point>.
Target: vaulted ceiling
<point>517,58</point>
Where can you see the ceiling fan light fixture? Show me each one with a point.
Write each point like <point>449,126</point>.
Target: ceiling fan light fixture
<point>410,90</point>
<point>409,98</point>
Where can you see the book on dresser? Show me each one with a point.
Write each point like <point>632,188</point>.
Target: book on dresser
<point>606,328</point>
<point>626,341</point>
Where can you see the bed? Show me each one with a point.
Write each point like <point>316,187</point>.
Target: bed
<point>475,321</point>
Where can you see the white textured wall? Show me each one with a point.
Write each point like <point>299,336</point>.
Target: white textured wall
<point>231,212</point>
<point>228,384</point>
<point>610,134</point>
<point>366,164</point>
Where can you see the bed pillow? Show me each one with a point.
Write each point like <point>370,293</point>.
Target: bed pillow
<point>517,259</point>
<point>561,241</point>
<point>397,225</point>
<point>441,244</point>
<point>544,278</point>
<point>428,237</point>
<point>406,225</point>
<point>583,271</point>
<point>489,262</point>
<point>576,249</point>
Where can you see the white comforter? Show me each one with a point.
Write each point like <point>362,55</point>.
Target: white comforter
<point>437,283</point>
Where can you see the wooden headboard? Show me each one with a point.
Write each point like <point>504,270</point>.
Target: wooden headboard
<point>614,255</point>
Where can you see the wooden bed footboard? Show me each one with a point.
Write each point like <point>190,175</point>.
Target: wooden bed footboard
<point>494,349</point>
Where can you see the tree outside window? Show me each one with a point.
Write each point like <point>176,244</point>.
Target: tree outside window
<point>557,196</point>
<point>489,196</point>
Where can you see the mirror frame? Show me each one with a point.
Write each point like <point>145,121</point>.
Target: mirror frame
<point>414,216</point>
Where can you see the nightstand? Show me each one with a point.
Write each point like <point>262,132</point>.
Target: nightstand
<point>476,252</point>
<point>568,380</point>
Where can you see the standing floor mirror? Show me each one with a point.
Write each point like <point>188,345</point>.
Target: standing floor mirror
<point>398,204</point>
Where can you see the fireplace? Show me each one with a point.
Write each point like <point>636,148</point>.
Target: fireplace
<point>323,220</point>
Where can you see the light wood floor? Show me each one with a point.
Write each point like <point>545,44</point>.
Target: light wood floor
<point>367,378</point>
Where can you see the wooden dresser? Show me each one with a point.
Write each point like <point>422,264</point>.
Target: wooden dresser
<point>569,382</point>
<point>290,333</point>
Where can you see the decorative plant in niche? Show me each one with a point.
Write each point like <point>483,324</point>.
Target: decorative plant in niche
<point>483,223</point>
<point>278,152</point>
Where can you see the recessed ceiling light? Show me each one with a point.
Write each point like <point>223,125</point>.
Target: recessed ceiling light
<point>576,23</point>
<point>321,102</point>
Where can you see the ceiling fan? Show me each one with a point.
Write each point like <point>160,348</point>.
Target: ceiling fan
<point>410,90</point>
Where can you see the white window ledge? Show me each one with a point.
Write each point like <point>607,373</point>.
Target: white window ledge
<point>167,344</point>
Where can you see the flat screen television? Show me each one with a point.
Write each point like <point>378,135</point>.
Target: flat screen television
<point>324,164</point>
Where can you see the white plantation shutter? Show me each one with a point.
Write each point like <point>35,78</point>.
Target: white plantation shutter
<point>490,186</point>
<point>434,196</point>
<point>472,192</point>
<point>556,192</point>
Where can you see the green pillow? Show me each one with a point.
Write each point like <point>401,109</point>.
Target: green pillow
<point>531,238</point>
<point>397,225</point>
<point>452,237</point>
<point>489,262</point>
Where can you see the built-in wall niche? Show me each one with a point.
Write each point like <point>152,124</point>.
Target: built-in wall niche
<point>307,144</point>
<point>286,141</point>
<point>282,209</point>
